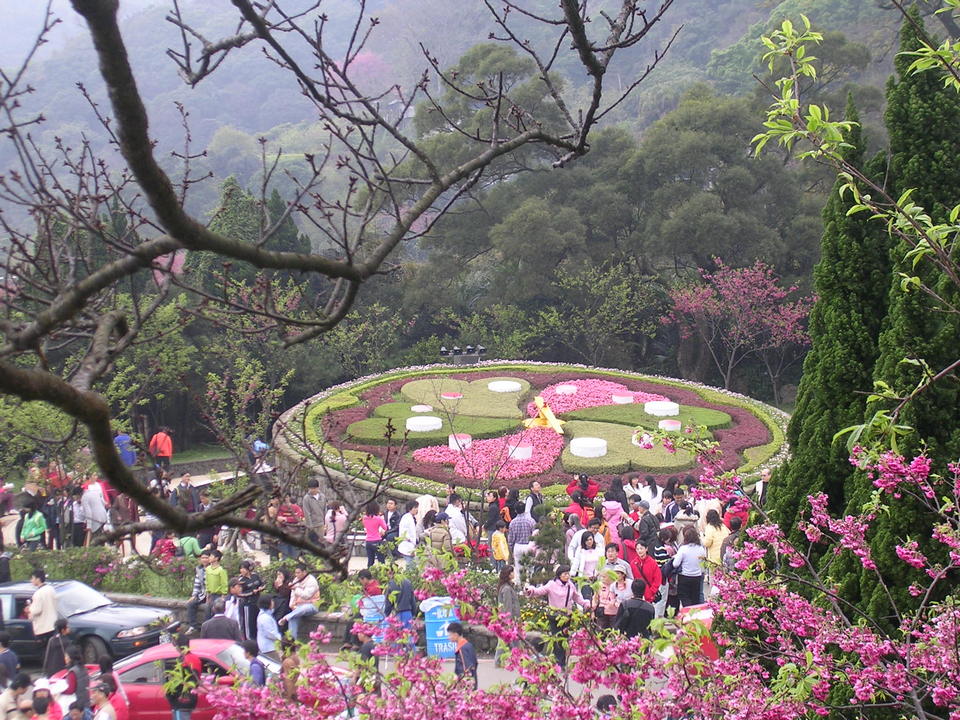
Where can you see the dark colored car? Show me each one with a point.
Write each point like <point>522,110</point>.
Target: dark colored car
<point>99,625</point>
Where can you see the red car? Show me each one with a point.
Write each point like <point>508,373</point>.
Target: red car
<point>142,675</point>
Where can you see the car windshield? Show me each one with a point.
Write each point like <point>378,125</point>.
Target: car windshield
<point>75,598</point>
<point>233,657</point>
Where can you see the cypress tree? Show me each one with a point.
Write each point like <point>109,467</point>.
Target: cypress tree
<point>287,237</point>
<point>923,122</point>
<point>237,216</point>
<point>851,281</point>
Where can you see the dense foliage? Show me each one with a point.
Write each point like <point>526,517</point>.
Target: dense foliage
<point>920,330</point>
<point>851,283</point>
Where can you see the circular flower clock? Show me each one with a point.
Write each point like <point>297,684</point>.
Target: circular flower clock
<point>502,423</point>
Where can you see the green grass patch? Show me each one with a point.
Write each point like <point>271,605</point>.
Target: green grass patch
<point>372,431</point>
<point>201,453</point>
<point>634,416</point>
<point>622,455</point>
<point>401,411</point>
<point>477,400</point>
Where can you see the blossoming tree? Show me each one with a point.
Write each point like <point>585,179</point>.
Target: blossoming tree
<point>739,312</point>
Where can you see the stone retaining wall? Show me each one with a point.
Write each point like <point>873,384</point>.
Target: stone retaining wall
<point>483,640</point>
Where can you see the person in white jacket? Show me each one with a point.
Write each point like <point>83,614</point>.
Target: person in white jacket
<point>407,532</point>
<point>43,607</point>
<point>304,595</point>
<point>576,541</point>
<point>458,523</point>
<point>586,561</point>
<point>94,508</point>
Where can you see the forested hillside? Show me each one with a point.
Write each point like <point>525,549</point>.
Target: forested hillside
<point>579,264</point>
<point>249,98</point>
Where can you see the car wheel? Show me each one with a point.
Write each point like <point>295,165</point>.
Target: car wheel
<point>93,649</point>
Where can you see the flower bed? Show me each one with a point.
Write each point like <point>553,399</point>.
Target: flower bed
<point>491,458</point>
<point>751,434</point>
<point>589,393</point>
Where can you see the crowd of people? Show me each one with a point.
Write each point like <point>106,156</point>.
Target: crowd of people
<point>628,555</point>
<point>60,508</point>
<point>625,557</point>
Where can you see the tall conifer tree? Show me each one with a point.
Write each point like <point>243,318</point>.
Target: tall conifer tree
<point>923,121</point>
<point>851,282</point>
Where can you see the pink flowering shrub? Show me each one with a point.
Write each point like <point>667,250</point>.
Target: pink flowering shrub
<point>590,393</point>
<point>782,654</point>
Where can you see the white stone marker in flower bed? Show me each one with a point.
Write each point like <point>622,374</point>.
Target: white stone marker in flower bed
<point>588,447</point>
<point>520,451</point>
<point>424,423</point>
<point>671,425</point>
<point>661,408</point>
<point>622,399</point>
<point>565,389</point>
<point>504,386</point>
<point>421,408</point>
<point>459,441</point>
<point>641,440</point>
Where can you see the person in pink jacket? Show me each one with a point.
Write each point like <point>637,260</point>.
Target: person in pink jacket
<point>562,595</point>
<point>334,522</point>
<point>613,514</point>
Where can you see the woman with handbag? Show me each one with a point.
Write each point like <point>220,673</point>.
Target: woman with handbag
<point>688,562</point>
<point>562,596</point>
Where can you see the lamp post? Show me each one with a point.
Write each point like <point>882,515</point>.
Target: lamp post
<point>468,355</point>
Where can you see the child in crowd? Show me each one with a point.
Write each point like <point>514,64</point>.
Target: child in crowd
<point>499,547</point>
<point>465,658</point>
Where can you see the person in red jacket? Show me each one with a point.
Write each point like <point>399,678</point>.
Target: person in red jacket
<point>161,447</point>
<point>580,507</point>
<point>736,508</point>
<point>646,569</point>
<point>628,549</point>
<point>166,547</point>
<point>585,485</point>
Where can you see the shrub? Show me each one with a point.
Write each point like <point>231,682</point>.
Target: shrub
<point>102,567</point>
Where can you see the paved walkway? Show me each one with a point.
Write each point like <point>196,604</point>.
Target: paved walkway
<point>488,675</point>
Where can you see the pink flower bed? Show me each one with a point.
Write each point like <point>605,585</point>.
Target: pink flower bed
<point>490,458</point>
<point>590,393</point>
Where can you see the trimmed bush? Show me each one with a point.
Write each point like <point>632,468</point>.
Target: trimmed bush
<point>634,416</point>
<point>102,568</point>
<point>372,431</point>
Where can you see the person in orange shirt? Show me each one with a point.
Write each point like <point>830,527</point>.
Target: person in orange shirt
<point>161,447</point>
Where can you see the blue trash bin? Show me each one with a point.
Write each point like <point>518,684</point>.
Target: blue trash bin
<point>438,612</point>
<point>371,612</point>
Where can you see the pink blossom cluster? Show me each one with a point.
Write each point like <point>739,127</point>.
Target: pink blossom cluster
<point>590,393</point>
<point>892,473</point>
<point>850,531</point>
<point>783,654</point>
<point>486,459</point>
